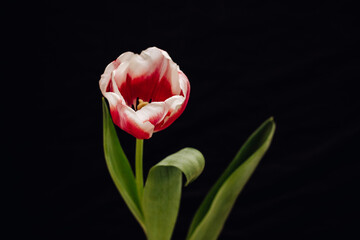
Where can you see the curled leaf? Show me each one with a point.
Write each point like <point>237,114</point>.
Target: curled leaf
<point>162,192</point>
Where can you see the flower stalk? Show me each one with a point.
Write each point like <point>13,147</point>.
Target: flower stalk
<point>139,166</point>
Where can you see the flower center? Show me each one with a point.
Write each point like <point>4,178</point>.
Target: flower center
<point>140,104</point>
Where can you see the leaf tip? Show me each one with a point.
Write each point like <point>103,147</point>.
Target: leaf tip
<point>271,121</point>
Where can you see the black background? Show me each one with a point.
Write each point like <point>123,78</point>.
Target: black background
<point>245,62</point>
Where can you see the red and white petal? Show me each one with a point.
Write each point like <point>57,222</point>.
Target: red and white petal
<point>170,75</point>
<point>174,78</point>
<point>121,78</point>
<point>113,99</point>
<point>122,68</point>
<point>173,104</point>
<point>146,63</point>
<point>154,112</point>
<point>127,119</point>
<point>145,71</point>
<point>176,104</point>
<point>150,75</point>
<point>106,76</point>
<point>184,84</point>
<point>125,57</point>
<point>168,83</point>
<point>108,86</point>
<point>128,72</point>
<point>139,123</point>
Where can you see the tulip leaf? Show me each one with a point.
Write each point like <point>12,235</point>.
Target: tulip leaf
<point>119,167</point>
<point>215,208</point>
<point>162,191</point>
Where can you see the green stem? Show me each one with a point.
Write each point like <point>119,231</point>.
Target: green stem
<point>139,166</point>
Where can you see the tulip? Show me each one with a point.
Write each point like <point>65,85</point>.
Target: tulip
<point>146,92</point>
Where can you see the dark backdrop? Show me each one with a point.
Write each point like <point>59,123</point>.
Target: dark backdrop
<point>245,62</point>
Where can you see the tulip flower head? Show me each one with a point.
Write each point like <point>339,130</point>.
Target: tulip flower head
<point>146,92</point>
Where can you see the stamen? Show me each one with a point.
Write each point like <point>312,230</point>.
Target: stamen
<point>141,104</point>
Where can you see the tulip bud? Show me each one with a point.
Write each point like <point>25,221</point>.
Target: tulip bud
<point>146,92</point>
